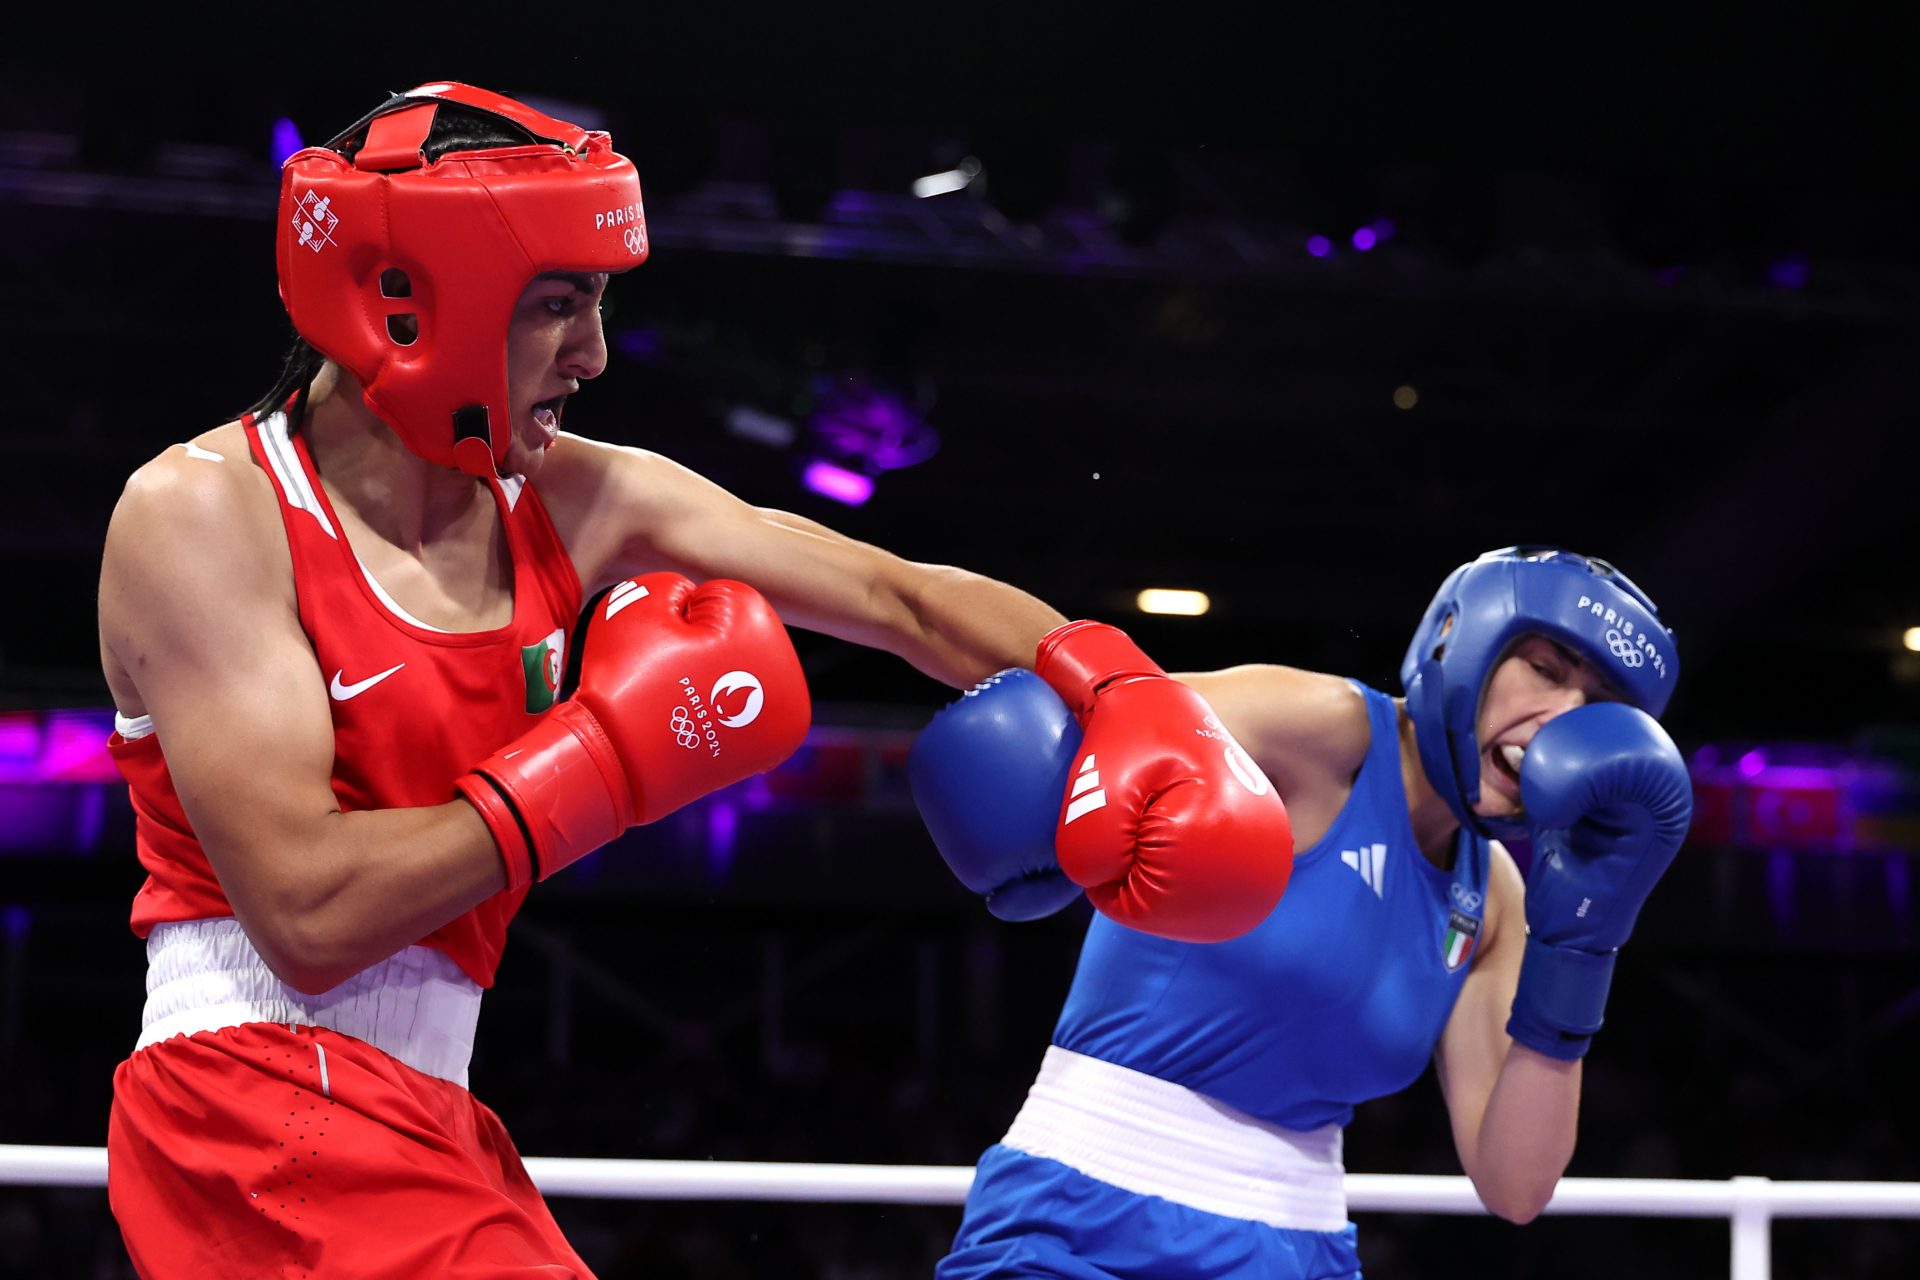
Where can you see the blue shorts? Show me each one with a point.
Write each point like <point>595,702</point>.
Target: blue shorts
<point>1027,1216</point>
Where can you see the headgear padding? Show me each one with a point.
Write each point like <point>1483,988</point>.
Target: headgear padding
<point>1584,604</point>
<point>469,231</point>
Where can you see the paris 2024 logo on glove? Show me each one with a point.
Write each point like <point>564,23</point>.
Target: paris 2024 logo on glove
<point>734,701</point>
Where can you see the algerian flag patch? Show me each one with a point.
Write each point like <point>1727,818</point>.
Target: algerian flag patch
<point>543,664</point>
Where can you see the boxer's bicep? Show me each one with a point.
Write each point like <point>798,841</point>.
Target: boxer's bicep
<point>197,614</point>
<point>658,515</point>
<point>1308,730</point>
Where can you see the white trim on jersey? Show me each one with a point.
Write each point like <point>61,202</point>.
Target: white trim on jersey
<point>132,728</point>
<point>511,486</point>
<point>286,465</point>
<point>393,605</point>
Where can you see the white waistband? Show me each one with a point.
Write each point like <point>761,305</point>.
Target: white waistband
<point>416,1006</point>
<point>1157,1138</point>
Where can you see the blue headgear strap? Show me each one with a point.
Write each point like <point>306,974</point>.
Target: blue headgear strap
<point>1583,603</point>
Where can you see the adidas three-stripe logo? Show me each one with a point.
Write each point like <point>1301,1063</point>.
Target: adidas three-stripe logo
<point>1371,862</point>
<point>1086,794</point>
<point>623,595</point>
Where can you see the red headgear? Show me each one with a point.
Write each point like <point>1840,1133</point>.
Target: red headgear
<point>469,231</point>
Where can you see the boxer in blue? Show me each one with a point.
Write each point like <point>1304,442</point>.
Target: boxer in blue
<point>1187,1118</point>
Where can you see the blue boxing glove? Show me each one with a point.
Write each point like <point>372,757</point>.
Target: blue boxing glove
<point>1609,802</point>
<point>987,774</point>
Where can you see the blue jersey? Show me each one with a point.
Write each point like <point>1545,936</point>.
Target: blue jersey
<point>1337,997</point>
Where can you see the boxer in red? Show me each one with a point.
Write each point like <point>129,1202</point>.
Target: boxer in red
<point>391,648</point>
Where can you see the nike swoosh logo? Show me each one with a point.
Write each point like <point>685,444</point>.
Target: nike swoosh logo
<point>341,692</point>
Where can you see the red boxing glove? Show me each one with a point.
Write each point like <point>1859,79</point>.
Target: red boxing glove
<point>1170,827</point>
<point>682,690</point>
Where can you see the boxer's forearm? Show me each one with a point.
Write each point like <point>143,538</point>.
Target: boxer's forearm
<point>961,627</point>
<point>1526,1135</point>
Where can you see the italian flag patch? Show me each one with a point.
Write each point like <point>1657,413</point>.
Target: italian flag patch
<point>1462,929</point>
<point>543,664</point>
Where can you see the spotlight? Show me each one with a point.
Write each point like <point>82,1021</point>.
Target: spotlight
<point>762,428</point>
<point>837,483</point>
<point>957,178</point>
<point>1168,600</point>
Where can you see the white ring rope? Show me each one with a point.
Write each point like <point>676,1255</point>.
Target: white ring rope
<point>947,1184</point>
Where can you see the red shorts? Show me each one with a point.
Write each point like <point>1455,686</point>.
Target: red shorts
<point>267,1150</point>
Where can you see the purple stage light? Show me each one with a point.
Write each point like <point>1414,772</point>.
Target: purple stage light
<point>837,483</point>
<point>1791,272</point>
<point>1801,797</point>
<point>19,745</point>
<point>56,746</point>
<point>865,424</point>
<point>638,344</point>
<point>74,748</point>
<point>286,140</point>
<point>1667,277</point>
<point>1319,246</point>
<point>1780,885</point>
<point>1364,238</point>
<point>1383,229</point>
<point>57,781</point>
<point>723,828</point>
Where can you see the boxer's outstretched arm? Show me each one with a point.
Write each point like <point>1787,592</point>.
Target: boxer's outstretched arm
<point>625,511</point>
<point>197,611</point>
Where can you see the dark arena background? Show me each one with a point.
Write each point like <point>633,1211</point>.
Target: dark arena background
<point>1296,310</point>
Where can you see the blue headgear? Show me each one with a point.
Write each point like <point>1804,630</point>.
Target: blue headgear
<point>1583,603</point>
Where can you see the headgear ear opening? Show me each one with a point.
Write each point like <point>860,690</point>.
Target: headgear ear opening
<point>466,231</point>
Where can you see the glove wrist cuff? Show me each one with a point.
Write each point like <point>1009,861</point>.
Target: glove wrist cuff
<point>1562,998</point>
<point>1079,658</point>
<point>552,796</point>
<point>510,834</point>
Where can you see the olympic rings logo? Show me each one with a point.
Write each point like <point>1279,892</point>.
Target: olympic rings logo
<point>683,731</point>
<point>636,240</point>
<point>1624,649</point>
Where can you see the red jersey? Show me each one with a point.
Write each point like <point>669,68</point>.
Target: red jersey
<point>413,707</point>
